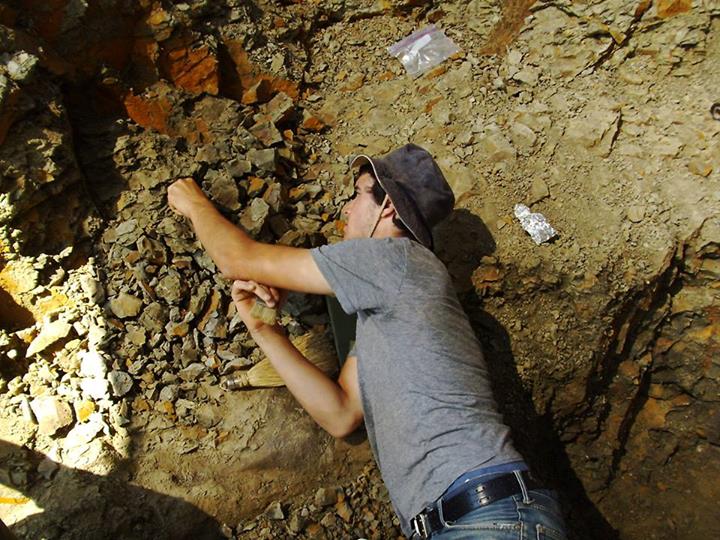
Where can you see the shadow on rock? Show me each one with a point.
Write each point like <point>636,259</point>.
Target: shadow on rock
<point>78,504</point>
<point>461,243</point>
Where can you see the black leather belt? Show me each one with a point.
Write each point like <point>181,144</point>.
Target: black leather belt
<point>475,495</point>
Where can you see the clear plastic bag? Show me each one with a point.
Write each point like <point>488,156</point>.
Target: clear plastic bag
<point>423,50</point>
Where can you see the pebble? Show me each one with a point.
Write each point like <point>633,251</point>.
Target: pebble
<point>636,213</point>
<point>51,414</point>
<point>538,190</point>
<point>92,364</point>
<point>95,388</point>
<point>325,496</point>
<point>191,372</point>
<point>49,334</point>
<point>121,382</point>
<point>274,511</point>
<point>125,305</point>
<point>169,393</point>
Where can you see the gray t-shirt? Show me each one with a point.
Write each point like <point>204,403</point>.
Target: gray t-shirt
<point>429,410</point>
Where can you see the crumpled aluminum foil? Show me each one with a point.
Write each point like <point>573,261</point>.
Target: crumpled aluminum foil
<point>535,224</point>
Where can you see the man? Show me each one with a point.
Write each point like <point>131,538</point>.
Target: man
<point>417,376</point>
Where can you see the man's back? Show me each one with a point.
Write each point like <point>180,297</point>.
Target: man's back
<point>428,407</point>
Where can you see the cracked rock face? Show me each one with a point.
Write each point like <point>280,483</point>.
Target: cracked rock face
<point>117,327</point>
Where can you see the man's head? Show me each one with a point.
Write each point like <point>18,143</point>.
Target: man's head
<point>403,193</point>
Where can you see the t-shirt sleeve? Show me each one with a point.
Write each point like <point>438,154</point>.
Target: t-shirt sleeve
<point>364,273</point>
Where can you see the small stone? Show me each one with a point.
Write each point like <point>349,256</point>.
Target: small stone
<point>151,250</point>
<point>49,334</point>
<point>280,108</point>
<point>121,382</point>
<point>169,393</point>
<point>522,136</point>
<point>668,8</point>
<point>538,190</point>
<point>328,521</point>
<point>260,92</point>
<point>275,196</point>
<point>172,287</point>
<point>207,415</point>
<point>700,167</point>
<point>223,189</point>
<point>312,123</point>
<point>326,496</point>
<point>82,434</point>
<point>192,372</point>
<point>274,511</point>
<point>263,160</point>
<point>154,318</point>
<point>95,388</point>
<point>636,213</point>
<point>527,76</point>
<point>498,84</point>
<point>253,218</point>
<point>497,148</point>
<point>297,523</point>
<point>266,133</point>
<point>83,409</point>
<point>51,413</point>
<point>239,167</point>
<point>92,288</point>
<point>21,66</point>
<point>125,305</point>
<point>256,186</point>
<point>344,511</point>
<point>92,364</point>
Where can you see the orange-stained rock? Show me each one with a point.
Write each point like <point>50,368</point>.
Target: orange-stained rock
<point>190,65</point>
<point>260,92</point>
<point>149,111</point>
<point>313,123</point>
<point>354,83</point>
<point>240,74</point>
<point>430,104</point>
<point>440,70</point>
<point>668,8</point>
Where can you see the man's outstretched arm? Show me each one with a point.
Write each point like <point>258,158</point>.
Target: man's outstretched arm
<point>238,256</point>
<point>335,406</point>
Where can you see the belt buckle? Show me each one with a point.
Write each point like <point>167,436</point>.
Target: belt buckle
<point>421,525</point>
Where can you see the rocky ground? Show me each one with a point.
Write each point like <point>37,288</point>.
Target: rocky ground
<point>117,330</point>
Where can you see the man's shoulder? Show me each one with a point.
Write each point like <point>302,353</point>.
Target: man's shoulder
<point>367,246</point>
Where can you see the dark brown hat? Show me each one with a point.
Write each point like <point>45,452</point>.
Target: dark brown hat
<point>416,186</point>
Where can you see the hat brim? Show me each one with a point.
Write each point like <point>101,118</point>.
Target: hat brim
<point>405,207</point>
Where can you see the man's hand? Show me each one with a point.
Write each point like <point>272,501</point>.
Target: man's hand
<point>244,294</point>
<point>184,195</point>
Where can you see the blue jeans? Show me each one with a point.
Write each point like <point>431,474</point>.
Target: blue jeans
<point>536,518</point>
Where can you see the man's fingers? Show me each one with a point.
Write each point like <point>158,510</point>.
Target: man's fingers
<point>261,291</point>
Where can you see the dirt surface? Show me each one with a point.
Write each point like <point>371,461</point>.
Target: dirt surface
<point>117,329</point>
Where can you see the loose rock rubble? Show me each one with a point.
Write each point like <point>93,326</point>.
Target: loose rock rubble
<point>117,327</point>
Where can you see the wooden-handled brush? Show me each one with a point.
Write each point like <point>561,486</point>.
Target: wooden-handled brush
<point>316,346</point>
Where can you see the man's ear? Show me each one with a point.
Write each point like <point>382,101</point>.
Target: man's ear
<point>388,210</point>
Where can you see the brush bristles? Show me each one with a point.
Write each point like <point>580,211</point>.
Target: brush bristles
<point>315,346</point>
